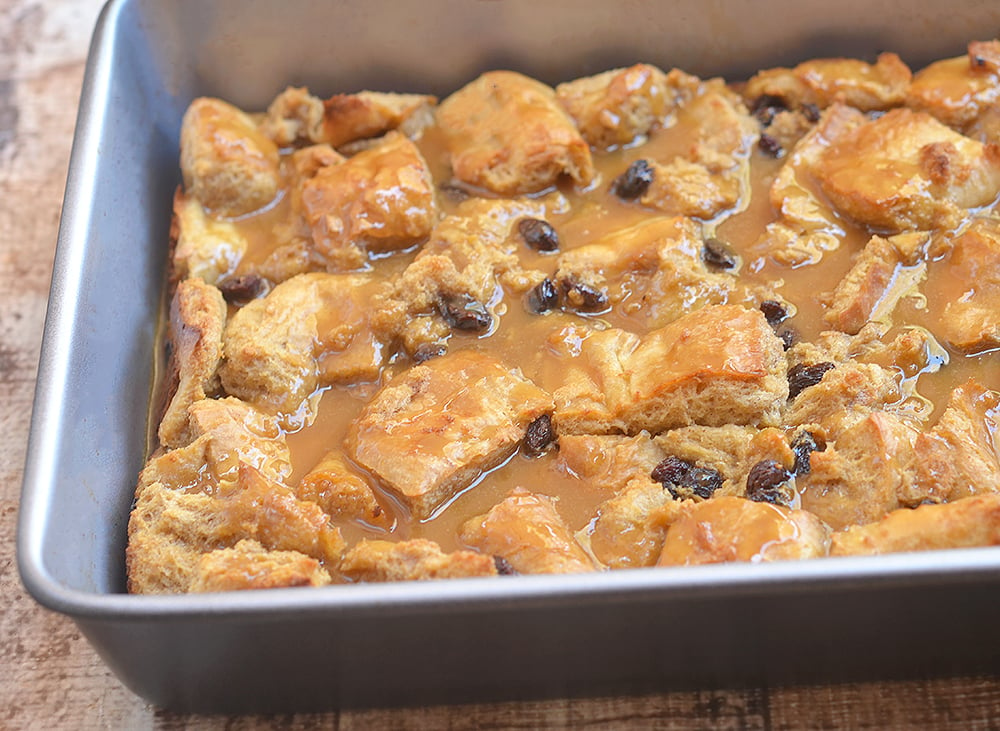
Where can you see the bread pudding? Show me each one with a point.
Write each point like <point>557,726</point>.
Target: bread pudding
<point>639,319</point>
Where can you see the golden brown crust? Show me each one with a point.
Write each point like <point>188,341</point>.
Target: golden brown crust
<point>608,461</point>
<point>806,226</point>
<point>204,247</point>
<point>734,529</point>
<point>171,531</point>
<point>508,134</point>
<point>653,269</point>
<point>967,523</point>
<point>228,164</point>
<point>379,200</point>
<point>864,475</point>
<point>907,171</point>
<point>197,319</point>
<point>294,116</point>
<point>958,91</point>
<point>728,355</point>
<point>431,430</point>
<point>248,565</point>
<point>277,354</point>
<point>958,457</point>
<point>885,271</point>
<point>970,283</point>
<point>413,560</point>
<point>350,117</point>
<point>526,530</point>
<point>342,492</point>
<point>615,108</point>
<point>711,179</point>
<point>628,530</point>
<point>823,82</point>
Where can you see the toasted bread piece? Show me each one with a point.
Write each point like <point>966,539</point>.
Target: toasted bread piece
<point>526,530</point>
<point>966,523</point>
<point>617,107</point>
<point>227,163</point>
<point>431,430</point>
<point>413,560</point>
<point>734,529</point>
<point>197,319</point>
<point>825,81</point>
<point>507,133</point>
<point>906,171</point>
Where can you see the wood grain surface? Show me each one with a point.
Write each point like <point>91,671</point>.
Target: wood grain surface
<point>50,678</point>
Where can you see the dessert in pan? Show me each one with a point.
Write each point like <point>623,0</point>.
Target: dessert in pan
<point>639,319</point>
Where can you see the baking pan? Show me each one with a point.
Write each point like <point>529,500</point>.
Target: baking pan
<point>464,640</point>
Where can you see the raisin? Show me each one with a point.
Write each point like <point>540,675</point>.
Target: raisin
<point>538,234</point>
<point>788,337</point>
<point>503,566</point>
<point>540,435</point>
<point>464,313</point>
<point>770,146</point>
<point>582,296</point>
<point>426,351</point>
<point>543,297</point>
<point>802,376</point>
<point>702,481</point>
<point>810,112</point>
<point>718,254</point>
<point>804,444</point>
<point>684,479</point>
<point>242,288</point>
<point>766,106</point>
<point>670,471</point>
<point>633,182</point>
<point>774,312</point>
<point>764,480</point>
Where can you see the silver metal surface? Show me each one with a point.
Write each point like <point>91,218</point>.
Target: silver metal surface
<point>425,642</point>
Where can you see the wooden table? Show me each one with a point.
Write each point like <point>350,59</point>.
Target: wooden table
<point>50,677</point>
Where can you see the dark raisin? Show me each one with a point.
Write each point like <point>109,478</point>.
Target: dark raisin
<point>788,337</point>
<point>464,313</point>
<point>538,234</point>
<point>426,351</point>
<point>670,471</point>
<point>633,182</point>
<point>774,312</point>
<point>718,254</point>
<point>702,481</point>
<point>802,376</point>
<point>765,479</point>
<point>810,112</point>
<point>242,288</point>
<point>803,445</point>
<point>770,146</point>
<point>684,479</point>
<point>583,297</point>
<point>503,566</point>
<point>766,106</point>
<point>539,435</point>
<point>543,297</point>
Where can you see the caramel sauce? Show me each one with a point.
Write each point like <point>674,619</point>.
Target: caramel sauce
<point>526,340</point>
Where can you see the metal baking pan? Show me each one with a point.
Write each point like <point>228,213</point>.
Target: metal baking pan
<point>464,640</point>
